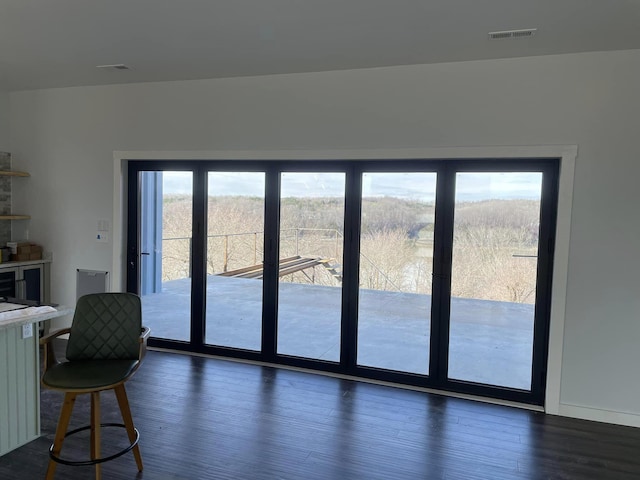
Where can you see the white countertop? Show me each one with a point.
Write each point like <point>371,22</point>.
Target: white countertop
<point>15,318</point>
<point>24,263</point>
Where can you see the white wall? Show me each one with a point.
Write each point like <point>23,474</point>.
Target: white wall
<point>66,139</point>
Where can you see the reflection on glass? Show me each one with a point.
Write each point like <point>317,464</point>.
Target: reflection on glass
<point>235,238</point>
<point>493,286</point>
<point>396,258</point>
<point>310,272</point>
<point>165,266</point>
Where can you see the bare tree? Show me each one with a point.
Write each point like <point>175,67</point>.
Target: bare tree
<point>385,260</point>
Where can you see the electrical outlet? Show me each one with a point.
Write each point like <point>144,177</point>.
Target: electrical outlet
<point>27,330</point>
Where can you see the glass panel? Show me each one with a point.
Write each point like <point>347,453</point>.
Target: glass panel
<point>396,259</point>
<point>493,287</point>
<point>311,247</point>
<point>165,266</point>
<point>235,239</point>
<point>32,283</point>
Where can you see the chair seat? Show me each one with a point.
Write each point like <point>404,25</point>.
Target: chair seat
<point>88,374</point>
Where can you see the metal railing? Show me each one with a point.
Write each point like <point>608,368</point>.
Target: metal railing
<point>298,233</point>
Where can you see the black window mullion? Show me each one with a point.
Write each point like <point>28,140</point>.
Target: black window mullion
<point>546,243</point>
<point>441,286</point>
<point>198,265</point>
<point>271,252</point>
<point>350,272</point>
<point>133,232</point>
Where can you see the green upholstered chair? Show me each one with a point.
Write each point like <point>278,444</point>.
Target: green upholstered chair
<point>106,345</point>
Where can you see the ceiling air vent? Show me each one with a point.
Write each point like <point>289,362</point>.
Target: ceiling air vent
<point>523,33</point>
<point>117,66</point>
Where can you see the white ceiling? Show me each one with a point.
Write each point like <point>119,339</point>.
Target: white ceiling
<point>56,43</point>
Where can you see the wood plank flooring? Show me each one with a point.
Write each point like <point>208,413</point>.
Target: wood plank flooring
<point>203,418</point>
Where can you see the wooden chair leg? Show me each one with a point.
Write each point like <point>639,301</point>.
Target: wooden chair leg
<point>123,402</point>
<point>61,430</point>
<point>95,432</point>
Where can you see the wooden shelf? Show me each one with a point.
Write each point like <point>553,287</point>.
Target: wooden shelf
<point>13,173</point>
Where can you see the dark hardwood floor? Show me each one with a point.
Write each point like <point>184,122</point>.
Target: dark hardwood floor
<point>204,418</point>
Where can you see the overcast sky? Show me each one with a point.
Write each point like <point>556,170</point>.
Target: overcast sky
<point>415,186</point>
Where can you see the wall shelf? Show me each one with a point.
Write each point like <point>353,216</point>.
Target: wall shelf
<point>14,173</point>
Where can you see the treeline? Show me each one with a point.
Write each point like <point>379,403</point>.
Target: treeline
<point>380,214</point>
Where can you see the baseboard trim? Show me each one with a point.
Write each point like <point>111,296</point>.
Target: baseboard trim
<point>599,415</point>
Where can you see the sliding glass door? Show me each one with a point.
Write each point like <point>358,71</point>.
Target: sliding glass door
<point>165,256</point>
<point>494,277</point>
<point>234,259</point>
<point>310,264</point>
<point>429,273</point>
<point>395,274</point>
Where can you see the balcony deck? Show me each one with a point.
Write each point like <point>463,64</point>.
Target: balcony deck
<point>490,342</point>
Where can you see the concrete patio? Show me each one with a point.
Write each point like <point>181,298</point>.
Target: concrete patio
<point>490,342</point>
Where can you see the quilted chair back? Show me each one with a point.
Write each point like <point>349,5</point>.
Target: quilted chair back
<point>105,326</point>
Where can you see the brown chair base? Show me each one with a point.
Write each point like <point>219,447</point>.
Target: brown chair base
<point>85,463</point>
<point>95,426</point>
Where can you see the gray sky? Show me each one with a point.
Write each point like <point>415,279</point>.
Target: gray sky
<point>415,186</point>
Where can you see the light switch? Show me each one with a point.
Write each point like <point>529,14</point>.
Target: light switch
<point>103,225</point>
